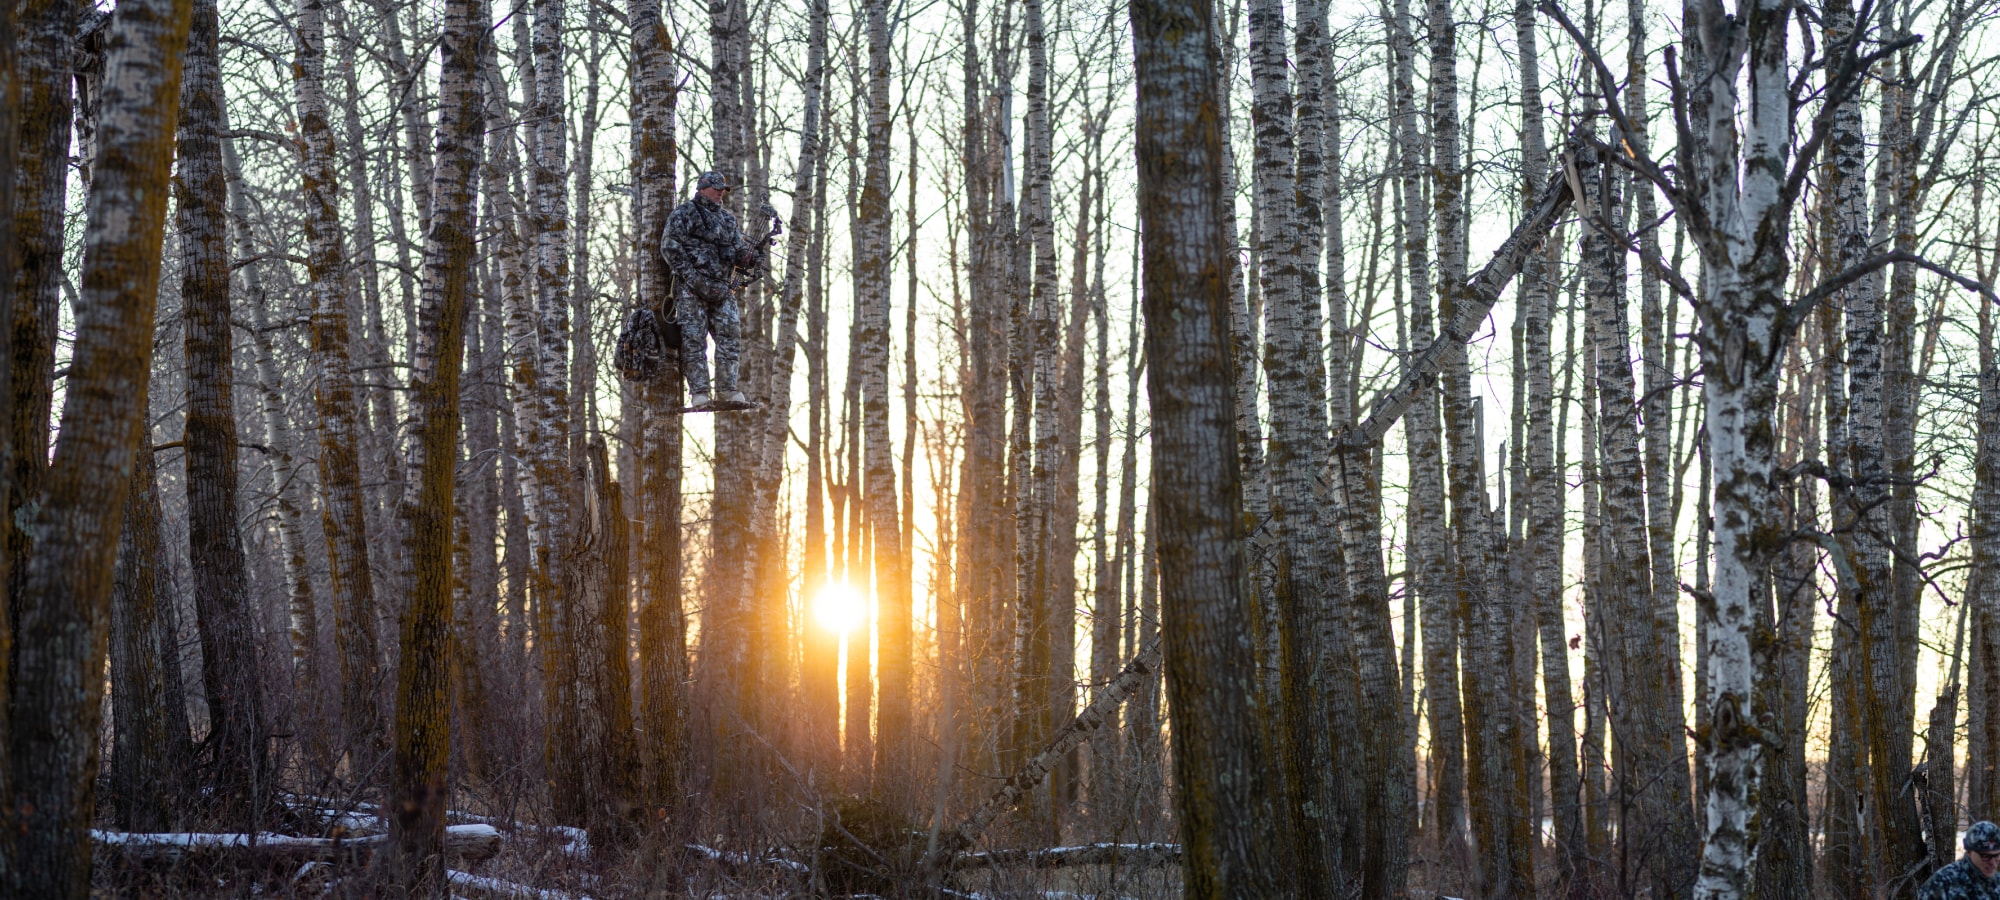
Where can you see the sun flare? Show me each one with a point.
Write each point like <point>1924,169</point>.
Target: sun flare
<point>840,608</point>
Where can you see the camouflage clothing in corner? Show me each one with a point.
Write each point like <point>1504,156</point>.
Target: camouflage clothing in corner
<point>1960,881</point>
<point>702,245</point>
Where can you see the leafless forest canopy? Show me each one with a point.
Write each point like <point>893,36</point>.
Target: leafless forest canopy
<point>1210,450</point>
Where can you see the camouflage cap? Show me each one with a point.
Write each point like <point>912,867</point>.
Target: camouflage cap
<point>712,179</point>
<point>1983,837</point>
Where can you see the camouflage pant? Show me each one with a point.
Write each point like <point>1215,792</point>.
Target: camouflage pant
<point>698,319</point>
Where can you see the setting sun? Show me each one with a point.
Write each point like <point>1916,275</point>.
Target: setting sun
<point>839,607</point>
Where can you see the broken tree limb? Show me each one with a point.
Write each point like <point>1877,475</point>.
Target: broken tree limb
<point>1113,695</point>
<point>1475,302</point>
<point>462,843</point>
<point>1134,855</point>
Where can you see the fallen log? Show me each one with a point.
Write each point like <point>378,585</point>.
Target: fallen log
<point>1134,855</point>
<point>462,843</point>
<point>956,840</point>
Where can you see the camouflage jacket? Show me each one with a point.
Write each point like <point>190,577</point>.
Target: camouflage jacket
<point>701,244</point>
<point>1960,881</point>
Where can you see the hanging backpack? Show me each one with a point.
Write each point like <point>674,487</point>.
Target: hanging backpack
<point>645,345</point>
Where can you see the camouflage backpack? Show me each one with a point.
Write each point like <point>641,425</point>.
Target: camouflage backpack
<point>645,345</point>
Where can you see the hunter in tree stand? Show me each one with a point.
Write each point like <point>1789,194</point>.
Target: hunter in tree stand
<point>706,251</point>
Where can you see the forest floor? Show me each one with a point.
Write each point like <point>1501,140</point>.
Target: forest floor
<point>509,860</point>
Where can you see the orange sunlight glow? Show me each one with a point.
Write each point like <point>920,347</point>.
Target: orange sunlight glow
<point>839,607</point>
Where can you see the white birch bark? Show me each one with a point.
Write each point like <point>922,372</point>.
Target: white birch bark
<point>663,713</point>
<point>1545,486</point>
<point>1223,792</point>
<point>1428,538</point>
<point>1304,587</point>
<point>1745,267</point>
<point>423,734</point>
<point>343,508</point>
<point>892,749</point>
<point>64,601</point>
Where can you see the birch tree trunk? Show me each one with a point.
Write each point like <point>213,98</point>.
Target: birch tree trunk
<point>1226,805</point>
<point>1429,546</point>
<point>1546,482</point>
<point>230,678</point>
<point>1308,579</point>
<point>1785,862</point>
<point>418,786</point>
<point>805,197</point>
<point>1067,507</point>
<point>1106,600</point>
<point>663,706</point>
<point>1493,753</point>
<point>47,47</point>
<point>512,330</point>
<point>986,494</point>
<point>575,741</point>
<point>343,506</point>
<point>150,744</point>
<point>1650,762</point>
<point>1744,270</point>
<point>730,660</point>
<point>892,748</point>
<point>1655,399</point>
<point>57,703</point>
<point>1984,581</point>
<point>1322,105</point>
<point>10,120</point>
<point>822,657</point>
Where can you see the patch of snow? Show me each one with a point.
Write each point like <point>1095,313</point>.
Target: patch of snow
<point>743,859</point>
<point>506,888</point>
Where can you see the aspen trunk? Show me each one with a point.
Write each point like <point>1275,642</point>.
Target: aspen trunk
<point>988,497</point>
<point>343,507</point>
<point>663,704</point>
<point>731,660</point>
<point>230,680</point>
<point>1106,601</point>
<point>1429,546</point>
<point>1227,808</point>
<point>822,657</point>
<point>45,105</point>
<point>892,748</point>
<point>1651,756</point>
<point>1307,582</point>
<point>1493,752</point>
<point>512,332</point>
<point>418,785</point>
<point>10,120</point>
<point>57,702</point>
<point>1545,486</point>
<point>1785,862</point>
<point>1037,344</point>
<point>770,542</point>
<point>1983,592</point>
<point>1141,721</point>
<point>150,742</point>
